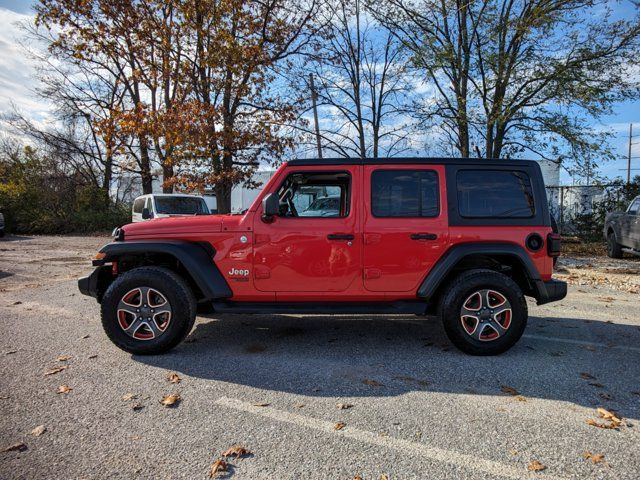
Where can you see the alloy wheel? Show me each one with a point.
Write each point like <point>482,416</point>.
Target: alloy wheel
<point>486,315</point>
<point>144,313</point>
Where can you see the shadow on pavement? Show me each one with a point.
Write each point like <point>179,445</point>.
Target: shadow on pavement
<point>350,356</point>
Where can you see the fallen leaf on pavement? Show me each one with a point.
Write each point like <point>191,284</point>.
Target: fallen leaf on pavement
<point>262,404</point>
<point>587,376</point>
<point>236,451</point>
<point>613,421</point>
<point>16,447</point>
<point>10,352</point>
<point>344,406</point>
<point>63,358</point>
<point>129,396</point>
<point>64,389</point>
<point>520,398</point>
<point>86,336</point>
<point>300,405</point>
<point>39,430</point>
<point>218,467</point>
<point>173,377</point>
<point>372,383</point>
<point>137,406</point>
<point>605,396</point>
<point>594,457</point>
<point>509,390</point>
<point>53,371</point>
<point>513,451</point>
<point>90,357</point>
<point>357,477</point>
<point>596,384</point>
<point>535,466</point>
<point>339,426</point>
<point>171,400</point>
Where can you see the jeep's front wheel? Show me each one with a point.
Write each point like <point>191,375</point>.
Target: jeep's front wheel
<point>484,312</point>
<point>148,310</point>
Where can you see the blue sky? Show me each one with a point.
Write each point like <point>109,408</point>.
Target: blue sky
<point>17,83</point>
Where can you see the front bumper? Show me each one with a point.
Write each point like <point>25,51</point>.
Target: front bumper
<point>97,283</point>
<point>551,291</point>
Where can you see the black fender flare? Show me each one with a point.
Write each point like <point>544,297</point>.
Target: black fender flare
<point>455,254</point>
<point>197,259</point>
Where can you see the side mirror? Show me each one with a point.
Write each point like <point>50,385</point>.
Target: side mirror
<point>270,207</point>
<point>146,214</point>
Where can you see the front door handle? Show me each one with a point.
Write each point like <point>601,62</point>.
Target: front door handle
<point>423,236</point>
<point>340,236</point>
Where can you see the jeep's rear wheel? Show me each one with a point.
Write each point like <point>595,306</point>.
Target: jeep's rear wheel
<point>484,312</point>
<point>148,310</point>
<point>614,250</point>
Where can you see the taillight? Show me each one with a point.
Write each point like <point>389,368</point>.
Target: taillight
<point>554,244</point>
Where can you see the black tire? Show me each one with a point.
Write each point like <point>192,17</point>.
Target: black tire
<point>614,250</point>
<point>177,293</point>
<point>1,233</point>
<point>460,292</point>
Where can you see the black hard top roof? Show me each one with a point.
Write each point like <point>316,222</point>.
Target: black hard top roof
<point>407,160</point>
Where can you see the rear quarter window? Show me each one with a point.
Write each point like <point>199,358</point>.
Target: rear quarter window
<point>495,194</point>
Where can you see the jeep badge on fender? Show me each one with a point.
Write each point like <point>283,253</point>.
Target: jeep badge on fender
<point>463,239</point>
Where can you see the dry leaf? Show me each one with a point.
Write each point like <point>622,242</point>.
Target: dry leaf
<point>63,358</point>
<point>384,476</point>
<point>236,451</point>
<point>509,390</point>
<point>86,336</point>
<point>10,352</point>
<point>64,389</point>
<point>372,383</point>
<point>344,406</point>
<point>339,426</point>
<point>129,396</point>
<point>171,400</point>
<point>263,404</point>
<point>16,447</point>
<point>596,384</point>
<point>587,376</point>
<point>90,357</point>
<point>53,371</point>
<point>613,421</point>
<point>535,466</point>
<point>300,405</point>
<point>173,377</point>
<point>594,457</point>
<point>39,430</point>
<point>218,467</point>
<point>137,406</point>
<point>605,396</point>
<point>358,477</point>
<point>513,452</point>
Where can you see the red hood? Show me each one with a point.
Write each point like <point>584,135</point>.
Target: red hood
<point>178,226</point>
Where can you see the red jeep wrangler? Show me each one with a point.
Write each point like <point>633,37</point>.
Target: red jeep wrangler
<point>465,239</point>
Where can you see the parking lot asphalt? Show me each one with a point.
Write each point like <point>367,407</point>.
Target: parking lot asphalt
<point>411,405</point>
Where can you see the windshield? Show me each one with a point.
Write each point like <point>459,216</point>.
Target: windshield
<point>180,205</point>
<point>323,207</point>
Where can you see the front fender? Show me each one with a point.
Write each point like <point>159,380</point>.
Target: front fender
<point>195,258</point>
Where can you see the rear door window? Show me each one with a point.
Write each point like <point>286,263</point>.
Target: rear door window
<point>495,194</point>
<point>404,193</point>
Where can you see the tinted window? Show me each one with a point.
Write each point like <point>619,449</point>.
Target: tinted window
<point>404,193</point>
<point>495,194</point>
<point>138,205</point>
<point>634,207</point>
<point>323,194</point>
<point>180,205</point>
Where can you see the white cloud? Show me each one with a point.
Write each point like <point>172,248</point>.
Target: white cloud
<point>17,70</point>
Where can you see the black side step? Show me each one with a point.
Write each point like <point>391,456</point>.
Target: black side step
<point>323,308</point>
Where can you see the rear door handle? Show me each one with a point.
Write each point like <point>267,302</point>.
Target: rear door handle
<point>423,236</point>
<point>340,236</point>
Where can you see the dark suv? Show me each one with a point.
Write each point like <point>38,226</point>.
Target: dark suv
<point>465,239</point>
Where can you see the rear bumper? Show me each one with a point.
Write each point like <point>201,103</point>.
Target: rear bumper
<point>551,291</point>
<point>96,284</point>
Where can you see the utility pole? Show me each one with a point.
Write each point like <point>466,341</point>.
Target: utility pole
<point>629,156</point>
<point>314,98</point>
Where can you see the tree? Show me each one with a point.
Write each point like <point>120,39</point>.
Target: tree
<point>363,84</point>
<point>518,76</point>
<point>239,49</point>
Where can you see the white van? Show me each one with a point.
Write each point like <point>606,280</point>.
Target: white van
<point>163,205</point>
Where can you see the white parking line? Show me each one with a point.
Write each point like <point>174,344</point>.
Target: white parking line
<point>419,449</point>
<point>581,342</point>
